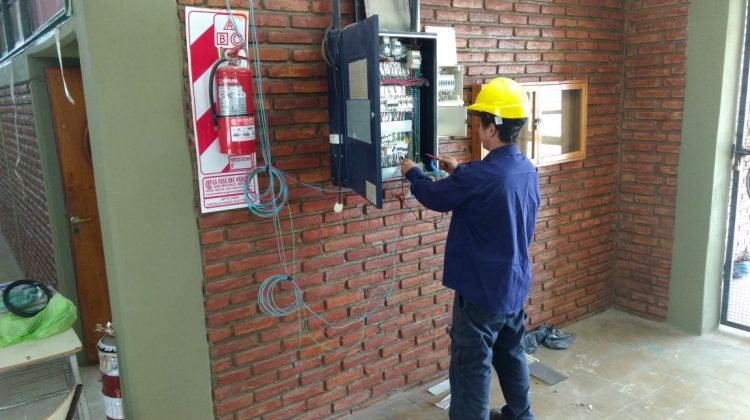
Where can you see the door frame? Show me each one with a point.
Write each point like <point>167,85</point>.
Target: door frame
<point>32,66</point>
<point>739,153</point>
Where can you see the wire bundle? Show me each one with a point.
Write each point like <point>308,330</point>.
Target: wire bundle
<point>259,203</point>
<point>269,203</point>
<point>405,82</point>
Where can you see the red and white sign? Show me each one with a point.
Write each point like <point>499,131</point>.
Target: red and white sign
<point>221,177</point>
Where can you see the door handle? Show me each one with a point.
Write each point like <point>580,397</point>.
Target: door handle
<point>76,220</point>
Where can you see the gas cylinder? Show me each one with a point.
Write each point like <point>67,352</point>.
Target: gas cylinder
<point>107,349</point>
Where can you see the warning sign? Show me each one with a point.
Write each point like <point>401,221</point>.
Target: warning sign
<point>222,178</point>
<point>225,34</point>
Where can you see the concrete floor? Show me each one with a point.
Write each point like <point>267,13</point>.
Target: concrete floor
<point>621,367</point>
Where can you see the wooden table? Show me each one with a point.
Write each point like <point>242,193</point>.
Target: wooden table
<point>25,355</point>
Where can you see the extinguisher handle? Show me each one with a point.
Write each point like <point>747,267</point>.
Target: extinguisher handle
<point>211,101</point>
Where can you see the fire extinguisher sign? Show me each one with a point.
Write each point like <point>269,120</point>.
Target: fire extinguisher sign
<point>222,177</point>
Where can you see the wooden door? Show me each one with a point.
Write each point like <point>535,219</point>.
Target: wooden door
<point>71,131</point>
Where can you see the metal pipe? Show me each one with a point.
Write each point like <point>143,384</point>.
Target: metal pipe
<point>336,14</point>
<point>414,24</point>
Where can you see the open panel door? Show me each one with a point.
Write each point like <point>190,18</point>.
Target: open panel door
<point>361,101</point>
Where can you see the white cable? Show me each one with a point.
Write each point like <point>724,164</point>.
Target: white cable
<point>15,126</point>
<point>62,73</point>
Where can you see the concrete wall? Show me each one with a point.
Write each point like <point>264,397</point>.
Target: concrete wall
<point>715,35</point>
<point>131,65</point>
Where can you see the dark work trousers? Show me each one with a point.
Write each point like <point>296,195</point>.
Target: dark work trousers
<point>481,340</point>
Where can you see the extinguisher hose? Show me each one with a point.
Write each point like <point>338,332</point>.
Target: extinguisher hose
<point>214,116</point>
<point>27,296</point>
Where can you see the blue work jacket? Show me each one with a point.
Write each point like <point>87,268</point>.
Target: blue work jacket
<point>494,203</point>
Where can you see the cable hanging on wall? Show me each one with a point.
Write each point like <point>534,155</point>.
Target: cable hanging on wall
<point>269,204</point>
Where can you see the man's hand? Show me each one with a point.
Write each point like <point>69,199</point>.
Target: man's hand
<point>448,164</point>
<point>406,165</point>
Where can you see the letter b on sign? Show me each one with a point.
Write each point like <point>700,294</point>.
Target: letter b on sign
<point>225,34</point>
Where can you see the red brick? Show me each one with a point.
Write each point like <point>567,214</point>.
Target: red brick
<point>302,393</point>
<point>343,378</point>
<point>227,250</point>
<point>214,270</point>
<point>252,262</point>
<point>343,300</point>
<point>344,243</point>
<point>350,400</point>
<point>287,5</point>
<point>233,404</point>
<point>310,22</point>
<point>257,353</point>
<point>223,218</point>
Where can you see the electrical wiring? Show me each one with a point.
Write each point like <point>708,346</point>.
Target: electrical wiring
<point>270,202</point>
<point>258,203</point>
<point>405,82</point>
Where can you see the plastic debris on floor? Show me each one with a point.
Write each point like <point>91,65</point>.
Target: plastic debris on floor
<point>445,403</point>
<point>550,337</point>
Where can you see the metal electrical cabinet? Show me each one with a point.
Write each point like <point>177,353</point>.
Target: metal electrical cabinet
<point>382,104</point>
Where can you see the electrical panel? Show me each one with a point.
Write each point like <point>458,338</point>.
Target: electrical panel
<point>451,109</point>
<point>382,100</point>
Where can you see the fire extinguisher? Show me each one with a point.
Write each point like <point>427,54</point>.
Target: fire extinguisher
<point>107,349</point>
<point>232,114</point>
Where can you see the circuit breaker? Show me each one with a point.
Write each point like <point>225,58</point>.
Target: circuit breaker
<point>382,99</point>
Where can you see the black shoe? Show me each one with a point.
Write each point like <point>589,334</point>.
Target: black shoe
<point>497,414</point>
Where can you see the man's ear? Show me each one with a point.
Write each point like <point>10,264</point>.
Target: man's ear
<point>494,132</point>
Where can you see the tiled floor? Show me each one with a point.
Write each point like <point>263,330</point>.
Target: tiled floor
<point>621,367</point>
<point>42,380</point>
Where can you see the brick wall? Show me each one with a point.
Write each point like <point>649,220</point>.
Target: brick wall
<point>24,219</point>
<point>260,365</point>
<point>529,41</point>
<point>652,122</point>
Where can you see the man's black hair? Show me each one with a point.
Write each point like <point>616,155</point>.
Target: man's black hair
<point>508,130</point>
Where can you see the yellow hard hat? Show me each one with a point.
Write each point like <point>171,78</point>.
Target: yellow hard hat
<point>502,97</point>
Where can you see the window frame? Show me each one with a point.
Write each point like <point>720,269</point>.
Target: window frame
<point>535,90</point>
<point>8,26</point>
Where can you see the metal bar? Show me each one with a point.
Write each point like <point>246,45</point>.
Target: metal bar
<point>83,405</point>
<point>414,9</point>
<point>736,325</point>
<point>739,137</point>
<point>336,14</point>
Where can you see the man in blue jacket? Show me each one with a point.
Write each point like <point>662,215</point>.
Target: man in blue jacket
<point>494,203</point>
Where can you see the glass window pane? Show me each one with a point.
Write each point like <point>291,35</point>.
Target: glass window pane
<point>44,10</point>
<point>526,135</point>
<point>559,129</point>
<point>16,22</point>
<point>3,43</point>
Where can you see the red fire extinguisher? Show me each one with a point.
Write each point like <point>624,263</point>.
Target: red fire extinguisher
<point>233,111</point>
<point>107,349</point>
